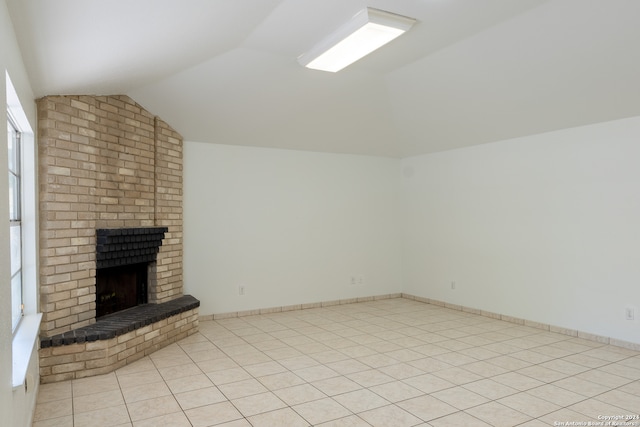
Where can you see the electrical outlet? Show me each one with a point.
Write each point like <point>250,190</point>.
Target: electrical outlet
<point>630,313</point>
<point>453,285</point>
<point>241,290</point>
<point>357,280</point>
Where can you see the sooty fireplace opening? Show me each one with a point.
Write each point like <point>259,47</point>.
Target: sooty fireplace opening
<point>125,259</point>
<point>119,288</point>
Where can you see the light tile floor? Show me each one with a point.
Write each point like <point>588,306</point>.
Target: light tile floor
<point>393,362</point>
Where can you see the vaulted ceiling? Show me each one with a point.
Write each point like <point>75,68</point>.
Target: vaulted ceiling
<point>225,71</point>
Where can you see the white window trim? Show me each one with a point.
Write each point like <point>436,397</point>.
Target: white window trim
<point>23,346</point>
<point>26,334</point>
<point>17,135</point>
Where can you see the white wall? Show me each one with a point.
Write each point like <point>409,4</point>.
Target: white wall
<point>16,407</point>
<point>545,228</point>
<point>291,226</point>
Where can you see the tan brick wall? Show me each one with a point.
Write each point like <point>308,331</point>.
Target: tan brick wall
<point>100,357</point>
<point>104,162</point>
<point>168,210</point>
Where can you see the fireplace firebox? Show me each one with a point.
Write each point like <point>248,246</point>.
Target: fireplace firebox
<point>119,288</point>
<point>124,259</point>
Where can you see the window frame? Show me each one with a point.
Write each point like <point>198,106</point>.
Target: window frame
<point>15,219</point>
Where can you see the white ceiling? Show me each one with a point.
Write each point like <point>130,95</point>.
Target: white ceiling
<point>225,71</point>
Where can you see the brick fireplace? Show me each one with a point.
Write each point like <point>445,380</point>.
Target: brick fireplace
<point>105,163</point>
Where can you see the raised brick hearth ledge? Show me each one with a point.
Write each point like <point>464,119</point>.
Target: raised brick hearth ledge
<point>120,323</point>
<point>117,339</point>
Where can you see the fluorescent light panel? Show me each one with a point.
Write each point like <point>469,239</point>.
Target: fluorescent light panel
<point>367,31</point>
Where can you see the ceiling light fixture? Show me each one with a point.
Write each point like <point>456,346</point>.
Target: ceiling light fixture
<point>367,31</point>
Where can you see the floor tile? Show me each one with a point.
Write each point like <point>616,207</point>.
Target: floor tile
<point>299,394</point>
<point>405,355</point>
<point>582,387</point>
<point>152,407</point>
<point>320,411</point>
<point>141,365</point>
<point>315,373</point>
<point>396,391</point>
<point>558,395</point>
<point>94,401</point>
<point>188,383</point>
<point>336,385</point>
<point>586,361</point>
<point>458,419</point>
<point>96,384</point>
<point>429,365</point>
<point>534,423</point>
<point>604,378</point>
<point>250,358</point>
<point>227,376</point>
<point>531,356</point>
<point>145,391</point>
<point>606,353</point>
<point>200,397</point>
<point>167,361</point>
<point>137,379</point>
<point>258,403</point>
<point>218,364</point>
<point>484,369</point>
<point>53,409</point>
<point>401,371</point>
<point>633,362</point>
<point>377,361</point>
<point>592,408</point>
<point>428,383</point>
<point>278,418</point>
<point>389,416</point>
<point>564,415</point>
<point>242,388</point>
<point>348,366</point>
<point>177,419</point>
<point>490,389</point>
<point>528,404</point>
<point>265,368</point>
<point>455,358</point>
<point>66,421</point>
<point>387,363</point>
<point>621,399</point>
<point>281,380</point>
<point>510,363</point>
<point>621,370</point>
<point>298,362</point>
<point>518,381</point>
<point>633,388</point>
<point>54,391</point>
<point>350,421</point>
<point>564,366</point>
<point>179,371</point>
<point>457,376</point>
<point>210,415</point>
<point>427,407</point>
<point>360,400</point>
<point>543,374</point>
<point>107,417</point>
<point>495,414</point>
<point>460,397</point>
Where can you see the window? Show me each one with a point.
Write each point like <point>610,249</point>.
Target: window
<point>15,221</point>
<point>23,220</point>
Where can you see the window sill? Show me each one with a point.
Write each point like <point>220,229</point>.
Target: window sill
<point>23,344</point>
